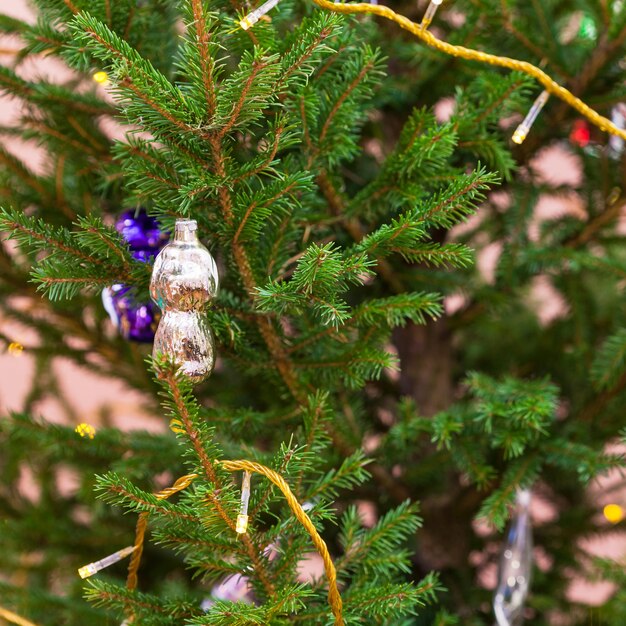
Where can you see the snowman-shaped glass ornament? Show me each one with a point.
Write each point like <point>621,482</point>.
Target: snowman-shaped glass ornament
<point>184,281</point>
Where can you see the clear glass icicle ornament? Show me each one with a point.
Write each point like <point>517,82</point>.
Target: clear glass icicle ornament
<point>184,281</point>
<point>515,565</point>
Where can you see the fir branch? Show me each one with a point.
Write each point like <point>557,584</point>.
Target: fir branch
<point>349,474</point>
<point>43,93</point>
<point>186,542</point>
<point>256,68</point>
<point>100,593</point>
<point>203,36</point>
<point>605,218</point>
<point>390,530</point>
<point>299,59</point>
<point>273,342</point>
<point>343,97</point>
<point>265,327</point>
<point>515,82</point>
<point>267,205</point>
<point>71,6</point>
<point>446,208</point>
<point>396,310</point>
<point>388,600</point>
<point>269,488</point>
<point>268,160</point>
<point>180,392</point>
<point>182,397</point>
<point>355,229</point>
<point>25,174</point>
<point>609,364</point>
<point>96,236</point>
<point>589,462</point>
<point>64,138</point>
<point>520,474</point>
<point>117,490</point>
<point>163,105</point>
<point>36,233</point>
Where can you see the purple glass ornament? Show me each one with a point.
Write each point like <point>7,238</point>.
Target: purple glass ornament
<point>136,321</point>
<point>142,233</point>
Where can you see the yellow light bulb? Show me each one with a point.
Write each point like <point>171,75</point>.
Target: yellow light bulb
<point>519,136</point>
<point>15,348</point>
<point>521,132</point>
<point>259,13</point>
<point>613,513</point>
<point>85,430</point>
<point>101,77</point>
<point>242,524</point>
<point>93,568</point>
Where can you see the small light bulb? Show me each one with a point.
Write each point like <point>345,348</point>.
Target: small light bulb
<point>430,13</point>
<point>242,518</point>
<point>613,513</point>
<point>85,430</point>
<point>519,135</point>
<point>101,77</point>
<point>254,16</point>
<point>521,132</point>
<point>93,568</point>
<point>15,348</point>
<point>242,524</point>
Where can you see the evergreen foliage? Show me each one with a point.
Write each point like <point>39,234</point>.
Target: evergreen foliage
<point>343,212</point>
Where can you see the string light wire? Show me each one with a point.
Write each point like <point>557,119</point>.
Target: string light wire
<point>142,523</point>
<point>550,85</point>
<point>14,618</point>
<point>334,597</point>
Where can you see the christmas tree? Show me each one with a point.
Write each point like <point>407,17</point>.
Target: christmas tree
<point>346,174</point>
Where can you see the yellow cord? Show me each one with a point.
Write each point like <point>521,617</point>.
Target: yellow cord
<point>135,559</point>
<point>476,55</point>
<point>142,523</point>
<point>334,599</point>
<point>14,618</point>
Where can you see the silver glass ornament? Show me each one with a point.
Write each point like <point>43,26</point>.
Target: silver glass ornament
<point>184,281</point>
<point>515,565</point>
